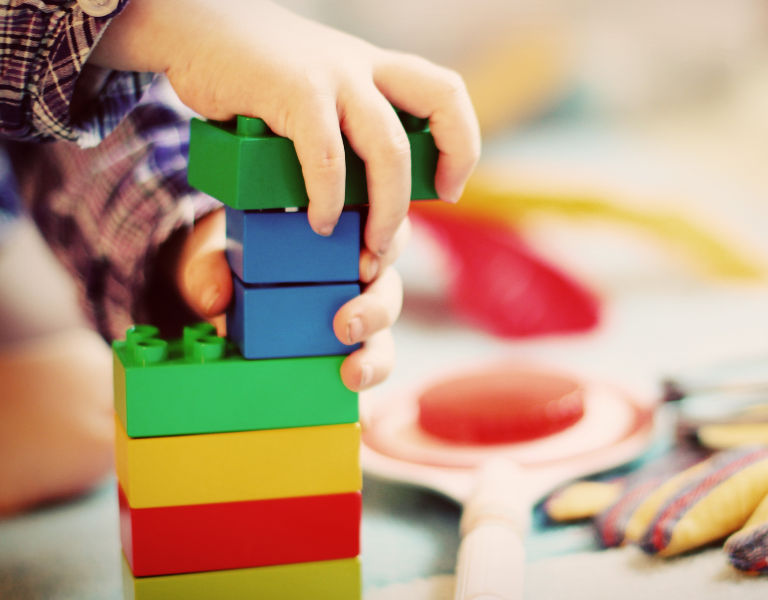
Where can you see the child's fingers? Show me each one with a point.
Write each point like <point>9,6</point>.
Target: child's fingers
<point>426,90</point>
<point>372,265</point>
<point>377,136</point>
<point>375,309</point>
<point>208,282</point>
<point>371,364</point>
<point>316,136</point>
<point>203,274</point>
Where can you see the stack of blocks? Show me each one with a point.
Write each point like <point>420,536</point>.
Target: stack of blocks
<point>238,460</point>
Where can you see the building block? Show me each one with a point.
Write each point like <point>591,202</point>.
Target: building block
<point>236,535</point>
<point>288,321</point>
<point>246,166</point>
<point>238,466</point>
<point>325,580</point>
<point>185,392</point>
<point>280,247</point>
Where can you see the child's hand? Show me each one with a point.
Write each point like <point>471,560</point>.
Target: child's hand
<point>309,83</point>
<point>205,282</point>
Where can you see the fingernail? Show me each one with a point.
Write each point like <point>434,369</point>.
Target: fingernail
<point>209,297</point>
<point>455,196</point>
<point>327,230</point>
<point>371,267</point>
<point>354,330</point>
<point>366,375</point>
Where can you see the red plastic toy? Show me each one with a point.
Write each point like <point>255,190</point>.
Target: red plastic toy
<point>235,535</point>
<point>500,286</point>
<point>500,406</point>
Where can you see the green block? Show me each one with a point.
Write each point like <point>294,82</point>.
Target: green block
<point>202,384</point>
<point>247,167</point>
<point>324,580</point>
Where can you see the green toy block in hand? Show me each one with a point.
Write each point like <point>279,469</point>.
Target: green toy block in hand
<point>246,166</point>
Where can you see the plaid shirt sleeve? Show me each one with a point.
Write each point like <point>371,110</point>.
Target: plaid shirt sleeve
<point>44,45</point>
<point>106,210</point>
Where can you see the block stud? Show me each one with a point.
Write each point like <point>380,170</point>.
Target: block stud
<point>150,351</point>
<point>252,127</point>
<point>138,333</point>
<point>194,332</point>
<point>208,348</point>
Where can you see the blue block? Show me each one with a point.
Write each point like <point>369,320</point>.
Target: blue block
<point>280,247</point>
<point>288,321</point>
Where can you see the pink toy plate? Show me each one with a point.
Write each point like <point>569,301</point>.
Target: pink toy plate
<point>616,428</point>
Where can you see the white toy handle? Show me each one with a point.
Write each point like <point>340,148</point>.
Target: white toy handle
<point>491,555</point>
<point>491,564</point>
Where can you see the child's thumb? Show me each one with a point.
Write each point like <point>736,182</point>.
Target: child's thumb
<point>203,275</point>
<point>207,283</point>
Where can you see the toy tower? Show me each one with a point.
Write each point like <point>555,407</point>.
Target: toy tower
<point>238,459</point>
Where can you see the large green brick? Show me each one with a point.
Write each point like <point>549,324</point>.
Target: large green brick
<point>247,167</point>
<point>181,388</point>
<point>324,580</point>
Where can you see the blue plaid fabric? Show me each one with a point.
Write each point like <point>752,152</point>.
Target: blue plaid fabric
<point>113,187</point>
<point>9,198</point>
<point>44,45</point>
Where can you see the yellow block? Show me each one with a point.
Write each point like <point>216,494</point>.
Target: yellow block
<point>245,465</point>
<point>324,580</point>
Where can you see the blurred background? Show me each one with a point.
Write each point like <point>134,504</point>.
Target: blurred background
<point>624,190</point>
<point>525,57</point>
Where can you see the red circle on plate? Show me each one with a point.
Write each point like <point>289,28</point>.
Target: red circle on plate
<point>501,406</point>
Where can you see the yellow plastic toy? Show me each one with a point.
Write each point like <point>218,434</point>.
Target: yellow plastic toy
<point>245,465</point>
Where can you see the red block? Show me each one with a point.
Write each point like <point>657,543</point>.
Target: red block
<point>236,535</point>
